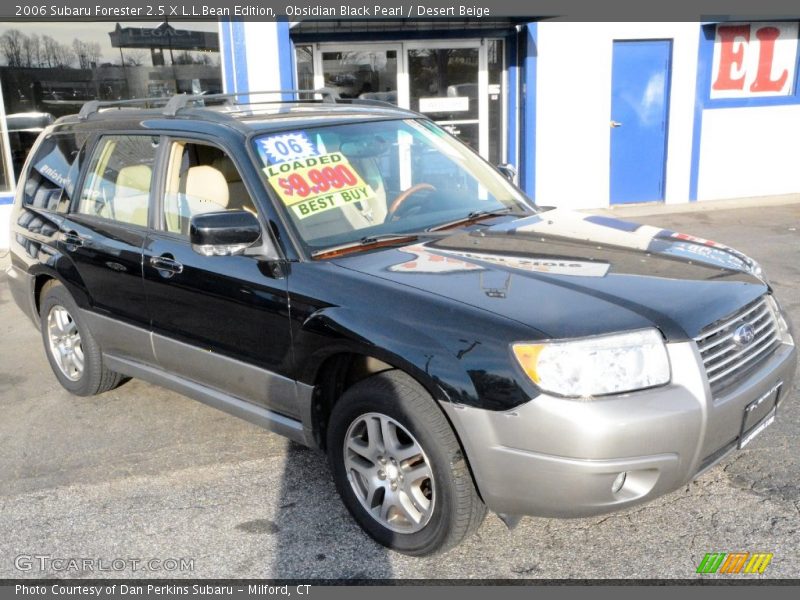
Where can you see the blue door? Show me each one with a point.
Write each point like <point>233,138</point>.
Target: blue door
<point>639,108</point>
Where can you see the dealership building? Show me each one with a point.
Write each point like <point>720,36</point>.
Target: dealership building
<point>591,114</point>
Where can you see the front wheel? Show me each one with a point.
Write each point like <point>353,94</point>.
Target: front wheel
<point>399,468</point>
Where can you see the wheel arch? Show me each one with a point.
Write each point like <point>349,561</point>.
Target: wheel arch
<point>352,350</point>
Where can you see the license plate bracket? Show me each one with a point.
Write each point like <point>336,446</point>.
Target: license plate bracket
<point>759,414</point>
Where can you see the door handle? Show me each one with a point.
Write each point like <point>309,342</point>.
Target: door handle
<point>166,265</point>
<point>615,124</point>
<point>71,238</point>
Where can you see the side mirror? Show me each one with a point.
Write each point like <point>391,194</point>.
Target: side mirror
<point>223,233</point>
<point>509,171</point>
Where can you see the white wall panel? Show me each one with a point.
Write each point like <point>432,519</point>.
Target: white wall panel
<point>749,151</point>
<point>5,224</point>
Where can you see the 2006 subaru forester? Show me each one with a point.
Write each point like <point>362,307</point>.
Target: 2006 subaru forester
<point>351,276</point>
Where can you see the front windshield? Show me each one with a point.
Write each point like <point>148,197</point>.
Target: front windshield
<point>344,183</point>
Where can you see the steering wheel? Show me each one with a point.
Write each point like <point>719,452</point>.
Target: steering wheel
<point>404,195</point>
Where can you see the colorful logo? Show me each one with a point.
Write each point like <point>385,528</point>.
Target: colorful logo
<point>734,562</point>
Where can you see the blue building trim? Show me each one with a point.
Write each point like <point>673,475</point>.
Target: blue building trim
<point>6,198</point>
<point>239,56</point>
<point>512,100</point>
<point>705,57</point>
<point>234,53</point>
<point>528,128</point>
<point>227,56</point>
<point>286,57</point>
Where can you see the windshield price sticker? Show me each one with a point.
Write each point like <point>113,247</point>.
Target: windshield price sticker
<point>285,147</point>
<point>316,184</point>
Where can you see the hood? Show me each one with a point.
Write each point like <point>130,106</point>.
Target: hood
<point>568,274</point>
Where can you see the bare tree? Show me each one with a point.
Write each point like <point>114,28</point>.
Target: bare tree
<point>32,51</point>
<point>11,46</point>
<point>57,54</point>
<point>135,58</point>
<point>86,53</point>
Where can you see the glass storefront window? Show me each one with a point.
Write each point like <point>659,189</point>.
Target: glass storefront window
<point>5,176</point>
<point>304,61</point>
<point>496,66</point>
<point>444,86</point>
<point>48,70</point>
<point>366,74</point>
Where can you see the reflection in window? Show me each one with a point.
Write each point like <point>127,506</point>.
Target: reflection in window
<point>366,74</point>
<point>46,71</point>
<point>118,182</point>
<point>54,172</point>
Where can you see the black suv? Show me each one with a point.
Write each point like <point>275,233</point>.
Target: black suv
<point>353,277</point>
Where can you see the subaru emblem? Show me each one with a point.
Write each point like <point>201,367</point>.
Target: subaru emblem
<point>743,335</point>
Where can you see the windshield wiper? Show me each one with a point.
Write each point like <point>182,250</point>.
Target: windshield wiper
<point>372,240</point>
<point>475,215</point>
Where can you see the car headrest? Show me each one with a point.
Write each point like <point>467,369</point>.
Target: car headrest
<point>207,184</point>
<point>134,179</point>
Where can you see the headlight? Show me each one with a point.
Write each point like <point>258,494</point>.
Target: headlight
<point>777,311</point>
<point>608,364</point>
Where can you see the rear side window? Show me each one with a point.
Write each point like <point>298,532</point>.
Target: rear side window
<point>53,172</point>
<point>119,178</point>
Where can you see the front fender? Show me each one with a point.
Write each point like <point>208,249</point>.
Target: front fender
<point>334,330</point>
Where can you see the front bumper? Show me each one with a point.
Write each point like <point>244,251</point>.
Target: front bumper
<point>556,457</point>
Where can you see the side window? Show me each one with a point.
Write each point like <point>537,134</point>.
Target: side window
<point>201,178</point>
<point>53,173</point>
<point>117,184</point>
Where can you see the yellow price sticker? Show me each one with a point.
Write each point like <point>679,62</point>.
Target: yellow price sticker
<point>315,184</point>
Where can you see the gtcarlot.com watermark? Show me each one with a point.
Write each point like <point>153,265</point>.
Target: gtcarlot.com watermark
<point>47,563</point>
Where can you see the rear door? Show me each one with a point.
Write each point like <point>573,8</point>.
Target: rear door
<point>104,234</point>
<point>222,321</point>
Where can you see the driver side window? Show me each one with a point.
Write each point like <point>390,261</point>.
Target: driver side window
<point>201,178</point>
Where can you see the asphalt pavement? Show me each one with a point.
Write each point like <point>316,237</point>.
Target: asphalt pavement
<point>143,473</point>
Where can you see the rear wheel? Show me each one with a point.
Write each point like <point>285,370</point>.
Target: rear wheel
<point>399,468</point>
<point>71,349</point>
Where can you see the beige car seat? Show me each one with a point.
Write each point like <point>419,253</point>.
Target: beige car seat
<point>132,194</point>
<point>205,190</point>
<point>238,197</point>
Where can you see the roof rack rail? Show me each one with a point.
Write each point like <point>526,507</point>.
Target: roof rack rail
<point>173,104</point>
<point>179,101</point>
<point>93,106</point>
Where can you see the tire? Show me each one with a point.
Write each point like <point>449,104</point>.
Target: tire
<point>82,372</point>
<point>426,515</point>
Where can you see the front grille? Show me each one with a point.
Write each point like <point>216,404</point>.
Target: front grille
<point>724,360</point>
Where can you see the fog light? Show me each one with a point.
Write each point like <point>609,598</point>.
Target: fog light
<point>619,482</point>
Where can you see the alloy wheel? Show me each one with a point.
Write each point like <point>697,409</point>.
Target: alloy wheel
<point>389,472</point>
<point>65,342</point>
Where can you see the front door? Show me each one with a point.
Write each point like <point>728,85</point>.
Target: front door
<point>639,108</point>
<point>221,321</point>
<point>448,82</point>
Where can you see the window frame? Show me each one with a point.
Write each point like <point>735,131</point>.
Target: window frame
<point>158,223</point>
<point>91,146</point>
